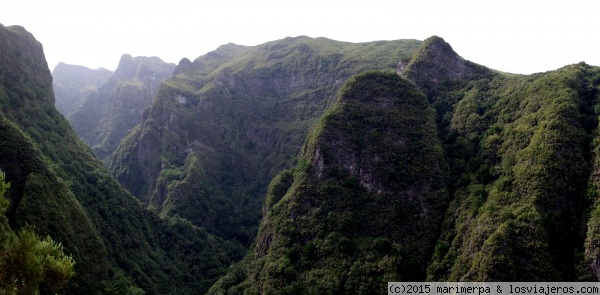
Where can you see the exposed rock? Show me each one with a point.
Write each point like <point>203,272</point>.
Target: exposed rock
<point>253,107</point>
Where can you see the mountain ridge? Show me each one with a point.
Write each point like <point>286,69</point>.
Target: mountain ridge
<point>522,194</point>
<point>363,144</point>
<point>71,83</point>
<point>61,188</point>
<point>231,111</point>
<point>105,115</point>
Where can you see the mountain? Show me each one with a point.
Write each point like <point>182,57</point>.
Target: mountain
<point>503,188</point>
<point>72,83</point>
<point>519,150</point>
<point>365,203</point>
<point>59,188</point>
<point>334,167</point>
<point>221,128</point>
<point>104,116</point>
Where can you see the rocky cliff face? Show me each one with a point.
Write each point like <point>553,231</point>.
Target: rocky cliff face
<point>520,166</point>
<point>218,132</point>
<point>22,48</point>
<point>498,174</point>
<point>370,177</point>
<point>105,116</point>
<point>72,83</point>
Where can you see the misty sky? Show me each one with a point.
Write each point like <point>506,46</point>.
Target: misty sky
<point>513,36</point>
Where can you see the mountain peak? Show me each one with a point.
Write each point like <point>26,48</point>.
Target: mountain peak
<point>131,67</point>
<point>435,62</point>
<point>125,58</point>
<point>183,65</point>
<point>26,62</point>
<point>374,154</point>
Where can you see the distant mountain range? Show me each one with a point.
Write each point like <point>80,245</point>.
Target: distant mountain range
<point>303,166</point>
<point>102,106</point>
<point>60,188</point>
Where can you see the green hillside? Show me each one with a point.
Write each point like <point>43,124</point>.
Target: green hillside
<point>364,204</point>
<point>60,188</point>
<point>518,200</point>
<point>522,193</point>
<point>519,150</point>
<point>218,131</point>
<point>303,166</point>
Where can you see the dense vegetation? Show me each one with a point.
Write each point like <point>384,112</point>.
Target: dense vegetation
<point>520,177</point>
<point>29,264</point>
<point>520,152</point>
<point>219,130</point>
<point>364,204</point>
<point>445,170</point>
<point>518,149</point>
<point>60,189</point>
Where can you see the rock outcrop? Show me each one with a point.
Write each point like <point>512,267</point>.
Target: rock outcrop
<point>217,133</point>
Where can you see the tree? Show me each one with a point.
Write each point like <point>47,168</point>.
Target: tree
<point>28,264</point>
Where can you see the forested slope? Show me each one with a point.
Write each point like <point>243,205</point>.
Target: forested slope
<point>219,130</point>
<point>504,187</point>
<point>431,167</point>
<point>364,204</point>
<point>61,189</point>
<point>520,151</point>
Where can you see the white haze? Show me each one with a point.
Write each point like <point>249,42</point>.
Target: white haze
<point>512,36</point>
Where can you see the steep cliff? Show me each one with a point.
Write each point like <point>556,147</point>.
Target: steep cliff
<point>518,201</point>
<point>72,83</point>
<point>519,154</point>
<point>448,171</point>
<point>60,188</point>
<point>220,130</point>
<point>104,116</point>
<point>365,203</point>
<point>525,156</point>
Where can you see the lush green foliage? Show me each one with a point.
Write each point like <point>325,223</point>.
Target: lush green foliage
<point>227,123</point>
<point>59,188</point>
<point>369,178</point>
<point>29,264</point>
<point>462,174</point>
<point>521,164</point>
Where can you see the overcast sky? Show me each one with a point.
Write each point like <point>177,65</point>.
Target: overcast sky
<point>513,36</point>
